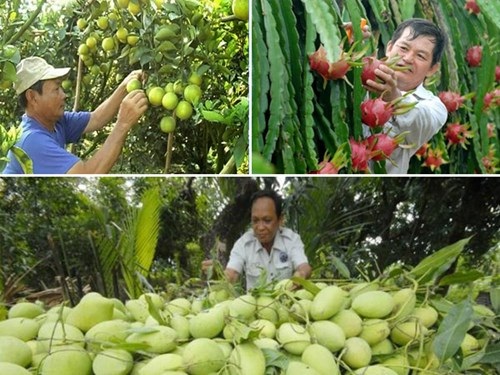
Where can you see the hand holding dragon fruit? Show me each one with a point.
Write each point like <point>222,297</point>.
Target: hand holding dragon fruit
<point>376,112</point>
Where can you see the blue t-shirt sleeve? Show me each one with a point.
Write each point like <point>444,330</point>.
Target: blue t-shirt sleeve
<point>47,155</point>
<point>74,123</point>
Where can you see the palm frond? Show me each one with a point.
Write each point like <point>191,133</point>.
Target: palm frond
<point>147,230</point>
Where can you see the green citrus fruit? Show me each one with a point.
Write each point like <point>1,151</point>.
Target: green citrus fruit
<point>66,84</point>
<point>103,22</point>
<point>167,124</point>
<point>134,8</point>
<point>240,9</point>
<point>184,110</point>
<point>122,3</point>
<point>108,44</point>
<point>91,42</point>
<point>95,70</point>
<point>83,50</point>
<point>133,84</point>
<point>178,87</point>
<point>132,40</point>
<point>88,61</point>
<point>87,79</point>
<point>81,23</point>
<point>5,84</point>
<point>104,67</point>
<point>122,34</point>
<point>169,87</point>
<point>195,79</point>
<point>192,93</point>
<point>155,96</point>
<point>169,101</point>
<point>9,51</point>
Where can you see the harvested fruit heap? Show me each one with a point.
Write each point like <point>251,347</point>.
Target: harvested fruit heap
<point>389,326</point>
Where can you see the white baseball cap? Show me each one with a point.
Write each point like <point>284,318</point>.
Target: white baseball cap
<point>33,69</point>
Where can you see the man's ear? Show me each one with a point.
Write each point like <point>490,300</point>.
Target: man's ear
<point>282,220</point>
<point>433,69</point>
<point>30,95</point>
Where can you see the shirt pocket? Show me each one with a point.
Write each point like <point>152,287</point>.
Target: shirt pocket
<point>283,271</point>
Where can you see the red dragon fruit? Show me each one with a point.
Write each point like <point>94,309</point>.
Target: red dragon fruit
<point>326,167</point>
<point>497,73</point>
<point>326,69</point>
<point>434,159</point>
<point>491,130</point>
<point>360,155</point>
<point>451,100</point>
<point>376,112</point>
<point>382,145</point>
<point>371,63</point>
<point>472,7</point>
<point>335,164</point>
<point>491,99</point>
<point>490,161</point>
<point>458,134</point>
<point>474,56</point>
<point>422,151</point>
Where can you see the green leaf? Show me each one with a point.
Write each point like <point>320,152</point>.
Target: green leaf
<point>147,230</point>
<point>23,159</point>
<point>143,329</point>
<point>213,116</point>
<point>341,267</point>
<point>495,299</point>
<point>240,150</point>
<point>435,264</point>
<point>461,277</point>
<point>452,330</point>
<point>306,284</point>
<point>9,71</point>
<point>275,358</point>
<point>154,312</point>
<point>492,354</point>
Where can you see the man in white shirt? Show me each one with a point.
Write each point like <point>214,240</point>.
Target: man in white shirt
<point>267,246</point>
<point>420,45</point>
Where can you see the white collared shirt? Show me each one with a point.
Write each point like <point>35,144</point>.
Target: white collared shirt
<point>250,257</point>
<point>423,122</point>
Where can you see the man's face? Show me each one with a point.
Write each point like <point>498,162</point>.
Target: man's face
<point>416,54</point>
<point>265,222</point>
<point>51,101</point>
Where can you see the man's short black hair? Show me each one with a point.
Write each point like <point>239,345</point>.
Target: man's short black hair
<point>277,199</point>
<point>38,87</point>
<point>423,27</point>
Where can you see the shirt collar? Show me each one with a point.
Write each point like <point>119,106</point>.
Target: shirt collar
<point>277,245</point>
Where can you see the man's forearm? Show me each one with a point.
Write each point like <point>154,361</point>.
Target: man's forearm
<point>107,110</point>
<point>104,159</point>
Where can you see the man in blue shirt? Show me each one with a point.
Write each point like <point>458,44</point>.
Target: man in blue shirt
<point>47,128</point>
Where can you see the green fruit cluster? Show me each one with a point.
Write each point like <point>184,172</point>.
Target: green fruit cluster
<point>177,98</point>
<point>362,328</point>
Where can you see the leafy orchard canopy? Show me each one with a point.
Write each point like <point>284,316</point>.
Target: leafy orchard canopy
<point>194,51</point>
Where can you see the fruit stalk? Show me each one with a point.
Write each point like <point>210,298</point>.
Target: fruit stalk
<point>168,154</point>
